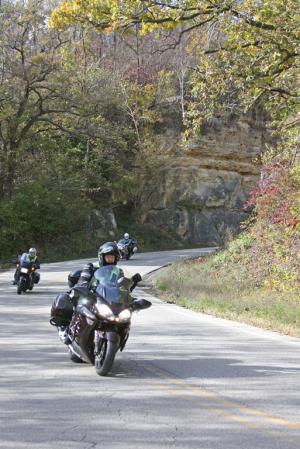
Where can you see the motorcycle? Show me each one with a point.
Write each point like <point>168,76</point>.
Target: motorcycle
<point>28,276</point>
<point>126,248</point>
<point>95,323</point>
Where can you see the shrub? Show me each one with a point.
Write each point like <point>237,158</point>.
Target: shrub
<point>38,214</point>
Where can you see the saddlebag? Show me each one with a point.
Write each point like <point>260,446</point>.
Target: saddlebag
<point>61,310</point>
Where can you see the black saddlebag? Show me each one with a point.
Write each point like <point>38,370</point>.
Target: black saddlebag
<point>61,310</point>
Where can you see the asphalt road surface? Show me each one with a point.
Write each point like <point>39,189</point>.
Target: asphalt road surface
<point>185,380</point>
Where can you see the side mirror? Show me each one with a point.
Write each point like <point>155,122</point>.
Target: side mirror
<point>140,304</point>
<point>136,278</point>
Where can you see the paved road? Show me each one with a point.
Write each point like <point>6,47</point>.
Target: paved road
<point>185,380</point>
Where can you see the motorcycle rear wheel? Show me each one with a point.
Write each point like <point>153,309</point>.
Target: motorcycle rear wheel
<point>106,357</point>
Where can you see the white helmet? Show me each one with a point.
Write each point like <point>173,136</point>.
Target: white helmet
<point>32,253</point>
<point>126,235</point>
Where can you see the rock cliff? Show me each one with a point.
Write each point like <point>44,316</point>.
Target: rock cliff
<point>202,189</point>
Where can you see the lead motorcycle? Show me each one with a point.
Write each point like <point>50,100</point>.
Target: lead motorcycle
<point>28,275</point>
<point>95,323</point>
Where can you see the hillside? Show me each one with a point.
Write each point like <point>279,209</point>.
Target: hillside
<point>162,130</point>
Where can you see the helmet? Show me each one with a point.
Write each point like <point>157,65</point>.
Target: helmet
<point>126,235</point>
<point>108,248</point>
<point>32,253</point>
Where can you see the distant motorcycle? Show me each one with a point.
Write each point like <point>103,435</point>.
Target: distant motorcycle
<point>99,319</point>
<point>126,248</point>
<point>28,276</point>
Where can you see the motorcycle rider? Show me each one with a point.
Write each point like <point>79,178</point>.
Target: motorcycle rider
<point>108,254</point>
<point>30,258</point>
<point>130,242</point>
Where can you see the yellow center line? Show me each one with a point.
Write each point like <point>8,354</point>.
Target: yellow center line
<point>248,412</point>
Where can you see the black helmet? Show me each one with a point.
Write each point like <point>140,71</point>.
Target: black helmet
<point>108,248</point>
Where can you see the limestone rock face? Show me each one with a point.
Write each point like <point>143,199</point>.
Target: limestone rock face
<point>102,223</point>
<point>201,191</point>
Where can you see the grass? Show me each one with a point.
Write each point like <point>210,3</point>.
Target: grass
<point>197,285</point>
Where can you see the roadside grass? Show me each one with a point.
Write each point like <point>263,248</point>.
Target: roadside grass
<point>197,285</point>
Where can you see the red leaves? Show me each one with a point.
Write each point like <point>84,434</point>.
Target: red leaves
<point>273,195</point>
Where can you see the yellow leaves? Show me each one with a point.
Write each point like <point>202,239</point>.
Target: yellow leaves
<point>61,18</point>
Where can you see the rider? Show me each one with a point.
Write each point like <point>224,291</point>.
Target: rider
<point>29,258</point>
<point>108,254</point>
<point>129,241</point>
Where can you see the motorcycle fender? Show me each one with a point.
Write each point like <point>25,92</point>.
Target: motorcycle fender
<point>123,343</point>
<point>113,337</point>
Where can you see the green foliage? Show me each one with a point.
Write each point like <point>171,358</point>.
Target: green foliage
<point>39,214</point>
<point>236,249</point>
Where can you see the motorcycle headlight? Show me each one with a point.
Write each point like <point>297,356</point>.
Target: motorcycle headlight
<point>104,311</point>
<point>124,316</point>
<point>24,270</point>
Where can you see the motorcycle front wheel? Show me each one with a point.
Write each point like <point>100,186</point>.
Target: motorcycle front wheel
<point>105,358</point>
<point>21,286</point>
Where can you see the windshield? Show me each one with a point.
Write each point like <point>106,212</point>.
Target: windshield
<point>112,285</point>
<point>122,242</point>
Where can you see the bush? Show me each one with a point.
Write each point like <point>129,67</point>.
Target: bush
<point>38,214</point>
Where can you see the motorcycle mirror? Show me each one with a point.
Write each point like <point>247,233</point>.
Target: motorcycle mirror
<point>136,278</point>
<point>140,304</point>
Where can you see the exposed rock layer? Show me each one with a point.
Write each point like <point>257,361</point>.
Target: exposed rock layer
<point>201,193</point>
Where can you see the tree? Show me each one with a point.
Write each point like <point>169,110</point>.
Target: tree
<point>31,93</point>
<point>256,53</point>
<point>53,96</point>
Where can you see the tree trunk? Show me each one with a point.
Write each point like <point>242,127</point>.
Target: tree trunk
<point>7,170</point>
